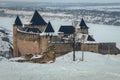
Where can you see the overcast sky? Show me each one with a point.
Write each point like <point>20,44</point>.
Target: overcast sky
<point>93,1</point>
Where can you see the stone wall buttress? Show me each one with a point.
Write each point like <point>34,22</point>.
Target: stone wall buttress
<point>15,50</point>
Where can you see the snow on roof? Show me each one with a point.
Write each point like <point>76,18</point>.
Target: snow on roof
<point>27,23</point>
<point>27,32</point>
<point>50,34</point>
<point>41,34</point>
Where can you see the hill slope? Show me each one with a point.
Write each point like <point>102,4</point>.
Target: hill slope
<point>94,67</point>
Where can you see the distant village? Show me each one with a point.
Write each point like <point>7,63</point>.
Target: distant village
<point>90,15</point>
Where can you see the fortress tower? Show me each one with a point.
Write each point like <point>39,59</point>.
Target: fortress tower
<point>33,38</point>
<point>82,27</point>
<point>17,25</point>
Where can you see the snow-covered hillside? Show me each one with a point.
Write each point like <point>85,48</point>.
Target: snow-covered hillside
<point>5,44</point>
<point>94,67</point>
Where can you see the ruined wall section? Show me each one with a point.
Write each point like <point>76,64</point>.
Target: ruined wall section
<point>108,48</point>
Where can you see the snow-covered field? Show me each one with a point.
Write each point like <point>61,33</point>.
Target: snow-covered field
<point>94,67</point>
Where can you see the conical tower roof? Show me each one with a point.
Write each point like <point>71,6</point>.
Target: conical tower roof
<point>49,28</point>
<point>37,19</point>
<point>18,21</point>
<point>83,24</point>
<point>90,38</point>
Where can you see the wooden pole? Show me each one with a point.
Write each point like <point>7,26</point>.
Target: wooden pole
<point>73,49</point>
<point>83,38</point>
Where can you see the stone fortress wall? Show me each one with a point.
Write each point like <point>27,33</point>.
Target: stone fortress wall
<point>36,43</point>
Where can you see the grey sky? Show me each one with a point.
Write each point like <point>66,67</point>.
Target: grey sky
<point>94,1</point>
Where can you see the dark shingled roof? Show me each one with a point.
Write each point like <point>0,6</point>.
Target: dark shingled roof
<point>67,29</point>
<point>18,21</point>
<point>37,19</point>
<point>35,30</point>
<point>90,38</point>
<point>49,28</point>
<point>83,24</point>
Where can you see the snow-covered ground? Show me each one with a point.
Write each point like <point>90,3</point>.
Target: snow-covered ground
<point>94,67</point>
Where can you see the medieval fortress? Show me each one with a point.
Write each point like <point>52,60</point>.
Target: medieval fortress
<point>35,37</point>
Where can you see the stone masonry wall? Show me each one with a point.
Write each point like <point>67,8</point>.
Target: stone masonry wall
<point>90,47</point>
<point>103,48</point>
<point>30,43</point>
<point>108,48</point>
<point>63,48</point>
<point>28,47</point>
<point>27,43</point>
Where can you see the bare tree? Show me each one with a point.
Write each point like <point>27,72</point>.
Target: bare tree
<point>74,38</point>
<point>83,40</point>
